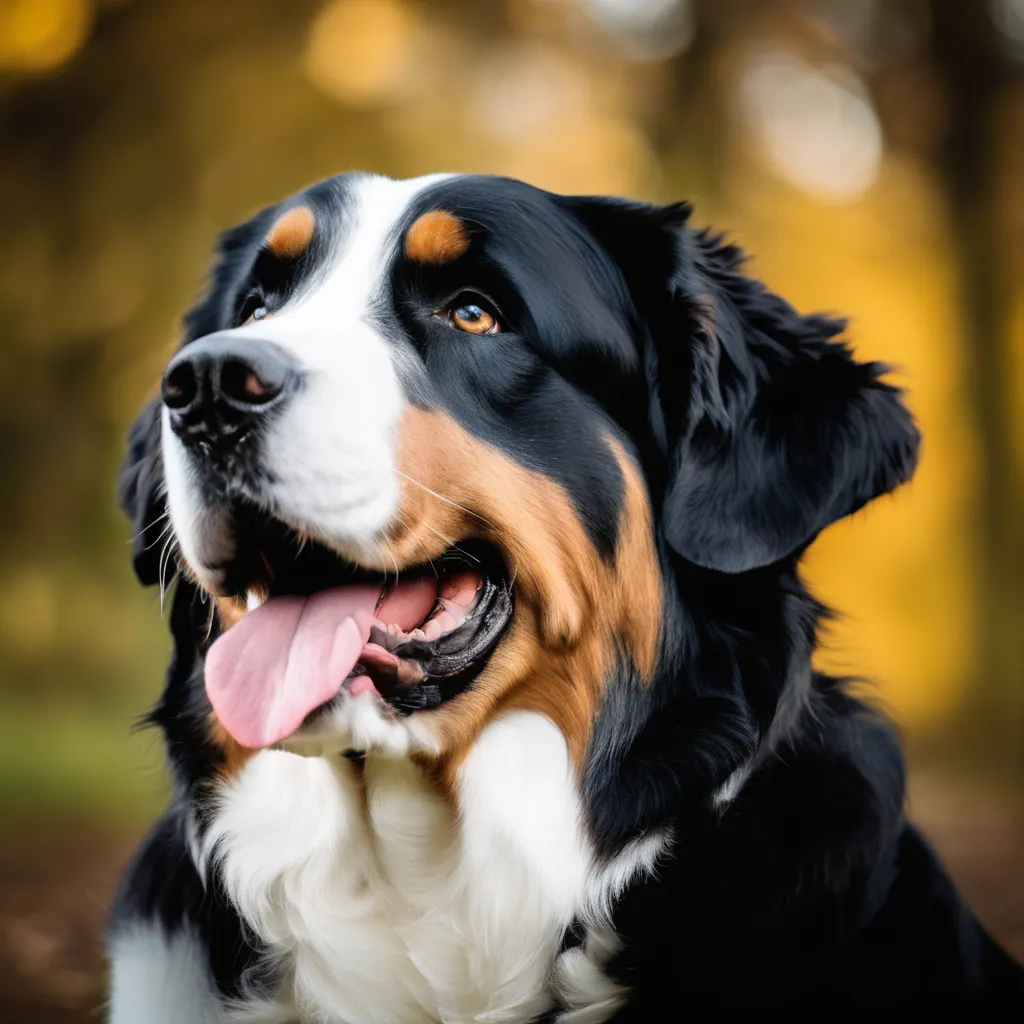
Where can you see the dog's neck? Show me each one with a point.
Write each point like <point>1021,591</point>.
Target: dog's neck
<point>439,909</point>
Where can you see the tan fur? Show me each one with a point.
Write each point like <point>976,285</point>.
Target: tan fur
<point>291,233</point>
<point>574,612</point>
<point>233,753</point>
<point>229,611</point>
<point>436,237</point>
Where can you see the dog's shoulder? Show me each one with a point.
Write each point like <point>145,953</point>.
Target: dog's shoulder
<point>810,886</point>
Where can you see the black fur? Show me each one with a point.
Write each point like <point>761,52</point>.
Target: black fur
<point>755,428</point>
<point>161,885</point>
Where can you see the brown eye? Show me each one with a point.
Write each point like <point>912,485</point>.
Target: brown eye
<point>474,320</point>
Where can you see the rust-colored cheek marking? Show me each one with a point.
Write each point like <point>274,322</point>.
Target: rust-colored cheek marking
<point>291,233</point>
<point>436,237</point>
<point>576,613</point>
<point>229,611</point>
<point>233,755</point>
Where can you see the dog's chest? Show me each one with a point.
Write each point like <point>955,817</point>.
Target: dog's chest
<point>382,903</point>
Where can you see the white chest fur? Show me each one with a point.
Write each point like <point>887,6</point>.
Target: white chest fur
<point>384,905</point>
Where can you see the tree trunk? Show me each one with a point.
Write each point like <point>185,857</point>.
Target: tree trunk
<point>974,71</point>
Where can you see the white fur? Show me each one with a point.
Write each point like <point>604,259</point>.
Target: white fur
<point>362,723</point>
<point>579,980</point>
<point>202,531</point>
<point>157,978</point>
<point>384,904</point>
<point>730,789</point>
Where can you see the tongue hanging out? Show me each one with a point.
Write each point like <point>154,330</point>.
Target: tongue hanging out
<point>292,654</point>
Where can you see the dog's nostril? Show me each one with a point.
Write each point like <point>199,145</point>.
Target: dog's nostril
<point>253,383</point>
<point>218,387</point>
<point>180,386</point>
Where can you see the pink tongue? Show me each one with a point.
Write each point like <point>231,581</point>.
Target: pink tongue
<point>290,655</point>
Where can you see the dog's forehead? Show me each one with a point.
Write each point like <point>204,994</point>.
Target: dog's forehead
<point>369,254</point>
<point>370,221</point>
<point>353,218</point>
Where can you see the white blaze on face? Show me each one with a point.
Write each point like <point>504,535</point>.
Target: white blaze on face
<point>328,456</point>
<point>202,532</point>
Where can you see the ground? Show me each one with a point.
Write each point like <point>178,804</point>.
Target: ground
<point>55,886</point>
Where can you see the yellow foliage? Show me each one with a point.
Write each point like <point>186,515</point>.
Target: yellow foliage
<point>39,35</point>
<point>361,51</point>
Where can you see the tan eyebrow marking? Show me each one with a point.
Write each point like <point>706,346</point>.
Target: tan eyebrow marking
<point>291,233</point>
<point>436,237</point>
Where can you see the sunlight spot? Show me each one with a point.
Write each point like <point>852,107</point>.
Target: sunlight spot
<point>817,126</point>
<point>645,29</point>
<point>40,35</point>
<point>595,154</point>
<point>362,52</point>
<point>526,87</point>
<point>1008,16</point>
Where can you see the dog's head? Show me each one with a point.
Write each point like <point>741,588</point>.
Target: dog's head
<point>440,448</point>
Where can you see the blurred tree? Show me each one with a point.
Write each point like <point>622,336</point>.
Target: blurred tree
<point>976,75</point>
<point>132,132</point>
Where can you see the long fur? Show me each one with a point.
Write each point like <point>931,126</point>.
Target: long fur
<point>734,832</point>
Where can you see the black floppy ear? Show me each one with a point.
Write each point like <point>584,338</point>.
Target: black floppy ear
<point>140,492</point>
<point>770,428</point>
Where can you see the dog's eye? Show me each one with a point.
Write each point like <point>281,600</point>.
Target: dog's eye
<point>472,317</point>
<point>474,320</point>
<point>254,308</point>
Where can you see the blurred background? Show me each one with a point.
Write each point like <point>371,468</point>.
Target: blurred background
<point>869,153</point>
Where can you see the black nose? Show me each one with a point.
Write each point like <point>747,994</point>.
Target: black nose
<point>220,387</point>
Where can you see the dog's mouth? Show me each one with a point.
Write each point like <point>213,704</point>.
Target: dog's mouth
<point>319,629</point>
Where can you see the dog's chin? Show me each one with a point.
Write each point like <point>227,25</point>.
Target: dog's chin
<point>412,639</point>
<point>359,725</point>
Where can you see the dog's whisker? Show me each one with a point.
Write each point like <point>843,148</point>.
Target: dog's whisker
<point>395,561</point>
<point>441,497</point>
<point>448,541</point>
<point>209,621</point>
<point>160,537</point>
<point>149,526</point>
<point>164,562</point>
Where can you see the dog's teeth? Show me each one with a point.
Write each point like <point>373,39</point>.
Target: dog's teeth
<point>417,634</point>
<point>457,611</point>
<point>253,600</point>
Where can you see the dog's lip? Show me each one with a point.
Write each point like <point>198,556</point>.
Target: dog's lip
<point>408,670</point>
<point>417,670</point>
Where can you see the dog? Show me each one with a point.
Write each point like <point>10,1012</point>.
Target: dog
<point>491,696</point>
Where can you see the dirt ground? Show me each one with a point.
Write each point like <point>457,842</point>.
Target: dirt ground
<point>55,886</point>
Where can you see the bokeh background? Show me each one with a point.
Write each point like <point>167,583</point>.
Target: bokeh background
<point>870,153</point>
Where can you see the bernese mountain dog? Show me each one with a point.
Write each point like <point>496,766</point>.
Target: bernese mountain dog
<point>492,695</point>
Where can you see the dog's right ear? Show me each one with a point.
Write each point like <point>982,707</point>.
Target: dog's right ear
<point>140,492</point>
